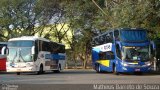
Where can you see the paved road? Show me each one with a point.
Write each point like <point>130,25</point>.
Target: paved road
<point>78,77</point>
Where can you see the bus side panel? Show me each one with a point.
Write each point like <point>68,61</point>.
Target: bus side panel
<point>54,60</point>
<point>107,69</point>
<point>95,57</point>
<point>119,66</point>
<point>2,64</point>
<point>111,64</point>
<point>62,60</point>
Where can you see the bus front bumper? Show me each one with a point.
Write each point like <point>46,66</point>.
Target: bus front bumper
<point>136,69</point>
<point>26,69</point>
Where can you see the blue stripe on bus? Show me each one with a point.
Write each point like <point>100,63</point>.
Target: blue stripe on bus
<point>55,56</point>
<point>135,44</point>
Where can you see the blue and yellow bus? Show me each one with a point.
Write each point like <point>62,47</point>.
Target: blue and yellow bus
<point>123,50</point>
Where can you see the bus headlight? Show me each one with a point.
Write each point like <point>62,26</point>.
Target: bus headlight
<point>124,64</point>
<point>147,63</point>
<point>29,65</point>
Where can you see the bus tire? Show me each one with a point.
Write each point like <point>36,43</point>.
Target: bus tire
<point>59,69</point>
<point>98,68</point>
<point>18,73</point>
<point>115,70</point>
<point>40,70</point>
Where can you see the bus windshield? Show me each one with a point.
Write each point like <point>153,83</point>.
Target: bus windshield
<point>19,55</point>
<point>133,35</point>
<point>20,43</point>
<point>135,53</point>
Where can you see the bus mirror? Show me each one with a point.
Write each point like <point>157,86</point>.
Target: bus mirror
<point>152,51</point>
<point>7,51</point>
<point>33,50</point>
<point>3,50</point>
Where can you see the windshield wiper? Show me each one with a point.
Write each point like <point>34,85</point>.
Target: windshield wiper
<point>21,56</point>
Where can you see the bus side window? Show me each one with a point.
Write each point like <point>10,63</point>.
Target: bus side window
<point>110,55</point>
<point>46,46</point>
<point>106,55</point>
<point>36,47</point>
<point>102,55</point>
<point>109,37</point>
<point>118,51</point>
<point>104,38</point>
<point>101,40</point>
<point>116,35</point>
<point>55,48</point>
<point>40,45</point>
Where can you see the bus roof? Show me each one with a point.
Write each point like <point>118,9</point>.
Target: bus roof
<point>131,29</point>
<point>28,38</point>
<point>3,42</point>
<point>31,38</point>
<point>112,30</point>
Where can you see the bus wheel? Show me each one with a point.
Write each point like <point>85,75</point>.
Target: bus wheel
<point>98,68</point>
<point>18,73</point>
<point>40,70</point>
<point>59,69</point>
<point>115,71</point>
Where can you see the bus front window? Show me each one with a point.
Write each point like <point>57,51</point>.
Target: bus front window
<point>19,55</point>
<point>136,53</point>
<point>13,55</point>
<point>25,54</point>
<point>20,51</point>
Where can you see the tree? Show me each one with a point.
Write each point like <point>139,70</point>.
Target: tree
<point>81,16</point>
<point>26,17</point>
<point>131,13</point>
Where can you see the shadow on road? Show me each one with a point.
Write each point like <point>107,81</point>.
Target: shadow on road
<point>70,71</point>
<point>141,74</point>
<point>88,71</point>
<point>4,72</point>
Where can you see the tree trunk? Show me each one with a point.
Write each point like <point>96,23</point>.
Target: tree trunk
<point>74,58</point>
<point>85,64</point>
<point>86,57</point>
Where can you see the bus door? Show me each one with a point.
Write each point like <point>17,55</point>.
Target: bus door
<point>106,59</point>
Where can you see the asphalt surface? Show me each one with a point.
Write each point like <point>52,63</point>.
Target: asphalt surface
<point>79,77</point>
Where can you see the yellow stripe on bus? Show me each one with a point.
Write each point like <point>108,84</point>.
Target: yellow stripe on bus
<point>133,63</point>
<point>104,62</point>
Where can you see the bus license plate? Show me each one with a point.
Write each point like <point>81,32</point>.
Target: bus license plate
<point>137,70</point>
<point>18,69</point>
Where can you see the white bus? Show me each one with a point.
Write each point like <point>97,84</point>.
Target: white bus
<point>34,54</point>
